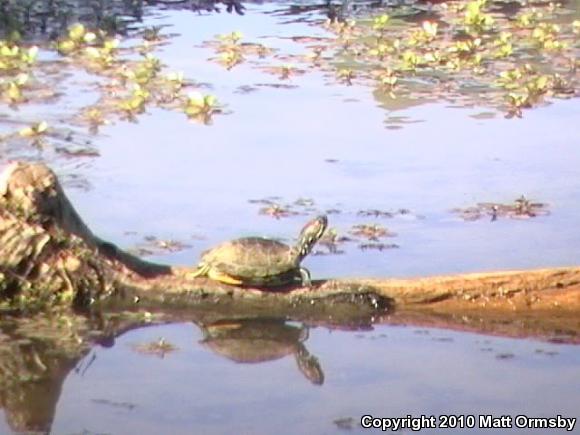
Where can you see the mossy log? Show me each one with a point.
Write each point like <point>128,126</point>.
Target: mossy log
<point>50,258</point>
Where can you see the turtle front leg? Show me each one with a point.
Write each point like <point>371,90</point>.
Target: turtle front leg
<point>305,276</point>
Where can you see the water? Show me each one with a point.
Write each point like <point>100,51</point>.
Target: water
<point>388,372</point>
<point>181,180</point>
<point>193,179</point>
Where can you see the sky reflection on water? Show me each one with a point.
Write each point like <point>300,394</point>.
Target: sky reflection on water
<point>391,371</point>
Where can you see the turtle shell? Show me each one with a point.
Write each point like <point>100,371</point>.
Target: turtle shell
<point>254,260</point>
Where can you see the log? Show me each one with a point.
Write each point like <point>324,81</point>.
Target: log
<point>50,258</point>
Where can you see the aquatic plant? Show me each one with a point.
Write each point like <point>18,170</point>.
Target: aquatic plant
<point>475,19</point>
<point>231,51</point>
<point>521,208</point>
<point>127,78</point>
<point>15,58</point>
<point>134,83</point>
<point>34,130</point>
<point>372,232</point>
<point>345,75</point>
<point>135,103</point>
<point>424,35</point>
<point>466,46</point>
<point>12,89</point>
<point>380,23</point>
<point>201,107</point>
<point>35,133</point>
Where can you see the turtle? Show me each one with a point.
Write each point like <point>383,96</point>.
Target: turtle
<point>262,262</point>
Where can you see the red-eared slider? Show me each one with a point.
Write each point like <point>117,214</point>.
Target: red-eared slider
<point>257,261</point>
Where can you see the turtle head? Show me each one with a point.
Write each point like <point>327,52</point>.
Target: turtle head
<point>309,235</point>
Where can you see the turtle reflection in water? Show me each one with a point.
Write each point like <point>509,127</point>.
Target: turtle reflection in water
<point>259,340</point>
<point>257,261</point>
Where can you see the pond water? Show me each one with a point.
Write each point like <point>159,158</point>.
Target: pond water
<point>388,372</point>
<point>318,139</point>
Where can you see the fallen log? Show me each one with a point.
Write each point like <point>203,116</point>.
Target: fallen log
<point>50,258</point>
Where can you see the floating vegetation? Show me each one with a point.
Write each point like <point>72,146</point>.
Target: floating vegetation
<point>265,201</point>
<point>273,207</point>
<point>382,213</point>
<point>373,232</point>
<point>277,211</point>
<point>160,348</point>
<point>94,117</point>
<point>35,130</point>
<point>284,72</point>
<point>304,202</point>
<point>375,213</point>
<point>16,63</point>
<point>505,356</point>
<point>78,152</point>
<point>127,76</point>
<point>315,55</point>
<point>152,36</point>
<point>466,51</point>
<point>345,423</point>
<point>154,246</point>
<point>201,107</point>
<point>377,246</point>
<point>331,242</point>
<point>521,208</point>
<point>134,84</point>
<point>277,85</point>
<point>469,46</point>
<point>123,405</point>
<point>346,76</point>
<point>16,59</point>
<point>368,236</point>
<point>97,45</point>
<point>231,51</point>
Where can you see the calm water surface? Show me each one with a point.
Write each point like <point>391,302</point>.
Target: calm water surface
<point>386,372</point>
<point>189,182</point>
<point>185,179</point>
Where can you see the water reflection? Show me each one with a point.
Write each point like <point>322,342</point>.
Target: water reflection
<point>259,340</point>
<point>236,370</point>
<point>91,370</point>
<point>51,17</point>
<point>38,354</point>
<point>32,371</point>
